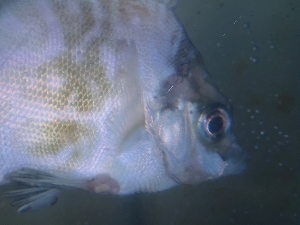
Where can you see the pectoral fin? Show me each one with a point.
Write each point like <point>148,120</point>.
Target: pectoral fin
<point>32,198</point>
<point>41,189</point>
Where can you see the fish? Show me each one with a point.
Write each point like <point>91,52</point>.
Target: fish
<point>107,96</point>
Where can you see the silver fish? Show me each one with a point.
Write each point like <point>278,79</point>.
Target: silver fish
<point>109,96</point>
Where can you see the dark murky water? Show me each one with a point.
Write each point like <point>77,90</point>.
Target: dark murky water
<point>252,50</point>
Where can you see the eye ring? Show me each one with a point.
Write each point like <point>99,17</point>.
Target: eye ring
<point>215,121</point>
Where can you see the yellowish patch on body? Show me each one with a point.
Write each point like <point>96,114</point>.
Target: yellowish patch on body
<point>63,83</point>
<point>51,138</point>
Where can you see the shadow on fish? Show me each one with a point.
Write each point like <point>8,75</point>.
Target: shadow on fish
<point>109,97</point>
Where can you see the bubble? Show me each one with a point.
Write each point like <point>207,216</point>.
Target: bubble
<point>271,44</point>
<point>263,133</point>
<point>255,48</point>
<point>253,59</point>
<point>246,25</point>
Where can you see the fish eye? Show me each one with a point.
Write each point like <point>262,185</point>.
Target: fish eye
<point>214,121</point>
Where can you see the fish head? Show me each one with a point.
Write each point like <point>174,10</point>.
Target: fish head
<point>194,127</point>
<point>189,119</point>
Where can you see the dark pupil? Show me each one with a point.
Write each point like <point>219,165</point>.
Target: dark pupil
<point>215,124</point>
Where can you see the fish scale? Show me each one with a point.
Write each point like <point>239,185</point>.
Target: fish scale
<point>106,96</point>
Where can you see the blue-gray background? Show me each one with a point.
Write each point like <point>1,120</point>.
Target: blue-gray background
<point>252,51</point>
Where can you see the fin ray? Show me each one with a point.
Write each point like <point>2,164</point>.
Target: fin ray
<point>41,188</point>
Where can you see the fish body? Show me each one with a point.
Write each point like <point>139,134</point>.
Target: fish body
<point>107,96</point>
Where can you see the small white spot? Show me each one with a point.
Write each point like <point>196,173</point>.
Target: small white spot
<point>263,133</point>
<point>246,25</point>
<point>253,59</point>
<point>280,164</point>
